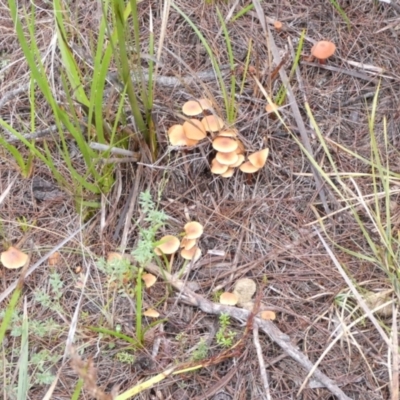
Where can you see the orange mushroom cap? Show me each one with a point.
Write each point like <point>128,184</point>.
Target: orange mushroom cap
<point>13,258</point>
<point>278,25</point>
<point>196,107</point>
<point>229,173</point>
<point>188,244</point>
<point>225,144</point>
<point>177,137</point>
<point>191,254</point>
<point>218,168</point>
<point>168,245</point>
<point>268,315</point>
<point>259,158</point>
<point>239,162</point>
<point>212,123</point>
<point>248,168</point>
<point>149,280</point>
<point>229,299</point>
<point>151,313</point>
<point>193,230</point>
<point>323,49</point>
<point>194,129</point>
<point>227,158</point>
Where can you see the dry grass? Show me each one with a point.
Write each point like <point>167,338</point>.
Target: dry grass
<point>256,226</point>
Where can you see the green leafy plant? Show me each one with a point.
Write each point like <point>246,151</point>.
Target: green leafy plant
<point>224,336</point>
<point>201,351</point>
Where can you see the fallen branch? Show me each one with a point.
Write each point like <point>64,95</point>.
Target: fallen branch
<point>189,297</point>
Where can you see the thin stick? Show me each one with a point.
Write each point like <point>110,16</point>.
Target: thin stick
<point>263,371</point>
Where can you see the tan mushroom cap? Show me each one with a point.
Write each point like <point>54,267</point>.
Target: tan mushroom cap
<point>218,168</point>
<point>225,144</point>
<point>113,255</point>
<point>323,49</point>
<point>168,245</point>
<point>240,149</point>
<point>13,258</point>
<point>278,25</point>
<point>227,158</point>
<point>196,107</point>
<point>188,244</point>
<point>212,123</point>
<point>259,158</point>
<point>194,129</point>
<point>149,280</point>
<point>229,133</point>
<point>229,173</point>
<point>229,299</point>
<point>248,168</point>
<point>193,230</point>
<point>267,315</point>
<point>239,162</point>
<point>177,136</point>
<point>192,254</point>
<point>151,313</point>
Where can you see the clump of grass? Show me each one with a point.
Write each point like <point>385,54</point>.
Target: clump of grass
<point>81,99</point>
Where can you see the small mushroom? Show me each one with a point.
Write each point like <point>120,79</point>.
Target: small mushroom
<point>278,26</point>
<point>196,107</point>
<point>239,162</point>
<point>227,158</point>
<point>151,313</point>
<point>229,133</point>
<point>149,280</point>
<point>194,129</point>
<point>267,315</point>
<point>187,244</point>
<point>191,254</point>
<point>13,258</point>
<point>248,168</point>
<point>322,50</point>
<point>193,230</point>
<point>168,245</point>
<point>259,158</point>
<point>240,149</point>
<point>177,137</point>
<point>229,173</point>
<point>225,144</point>
<point>229,299</point>
<point>218,168</point>
<point>212,123</point>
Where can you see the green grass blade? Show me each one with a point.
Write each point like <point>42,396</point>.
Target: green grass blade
<point>10,308</point>
<point>78,389</point>
<point>67,57</point>
<point>115,334</point>
<point>125,70</point>
<point>210,54</point>
<point>23,380</point>
<point>231,110</point>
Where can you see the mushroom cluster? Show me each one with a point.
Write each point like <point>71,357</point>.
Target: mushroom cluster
<point>230,150</point>
<point>189,250</point>
<point>230,155</point>
<point>193,130</point>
